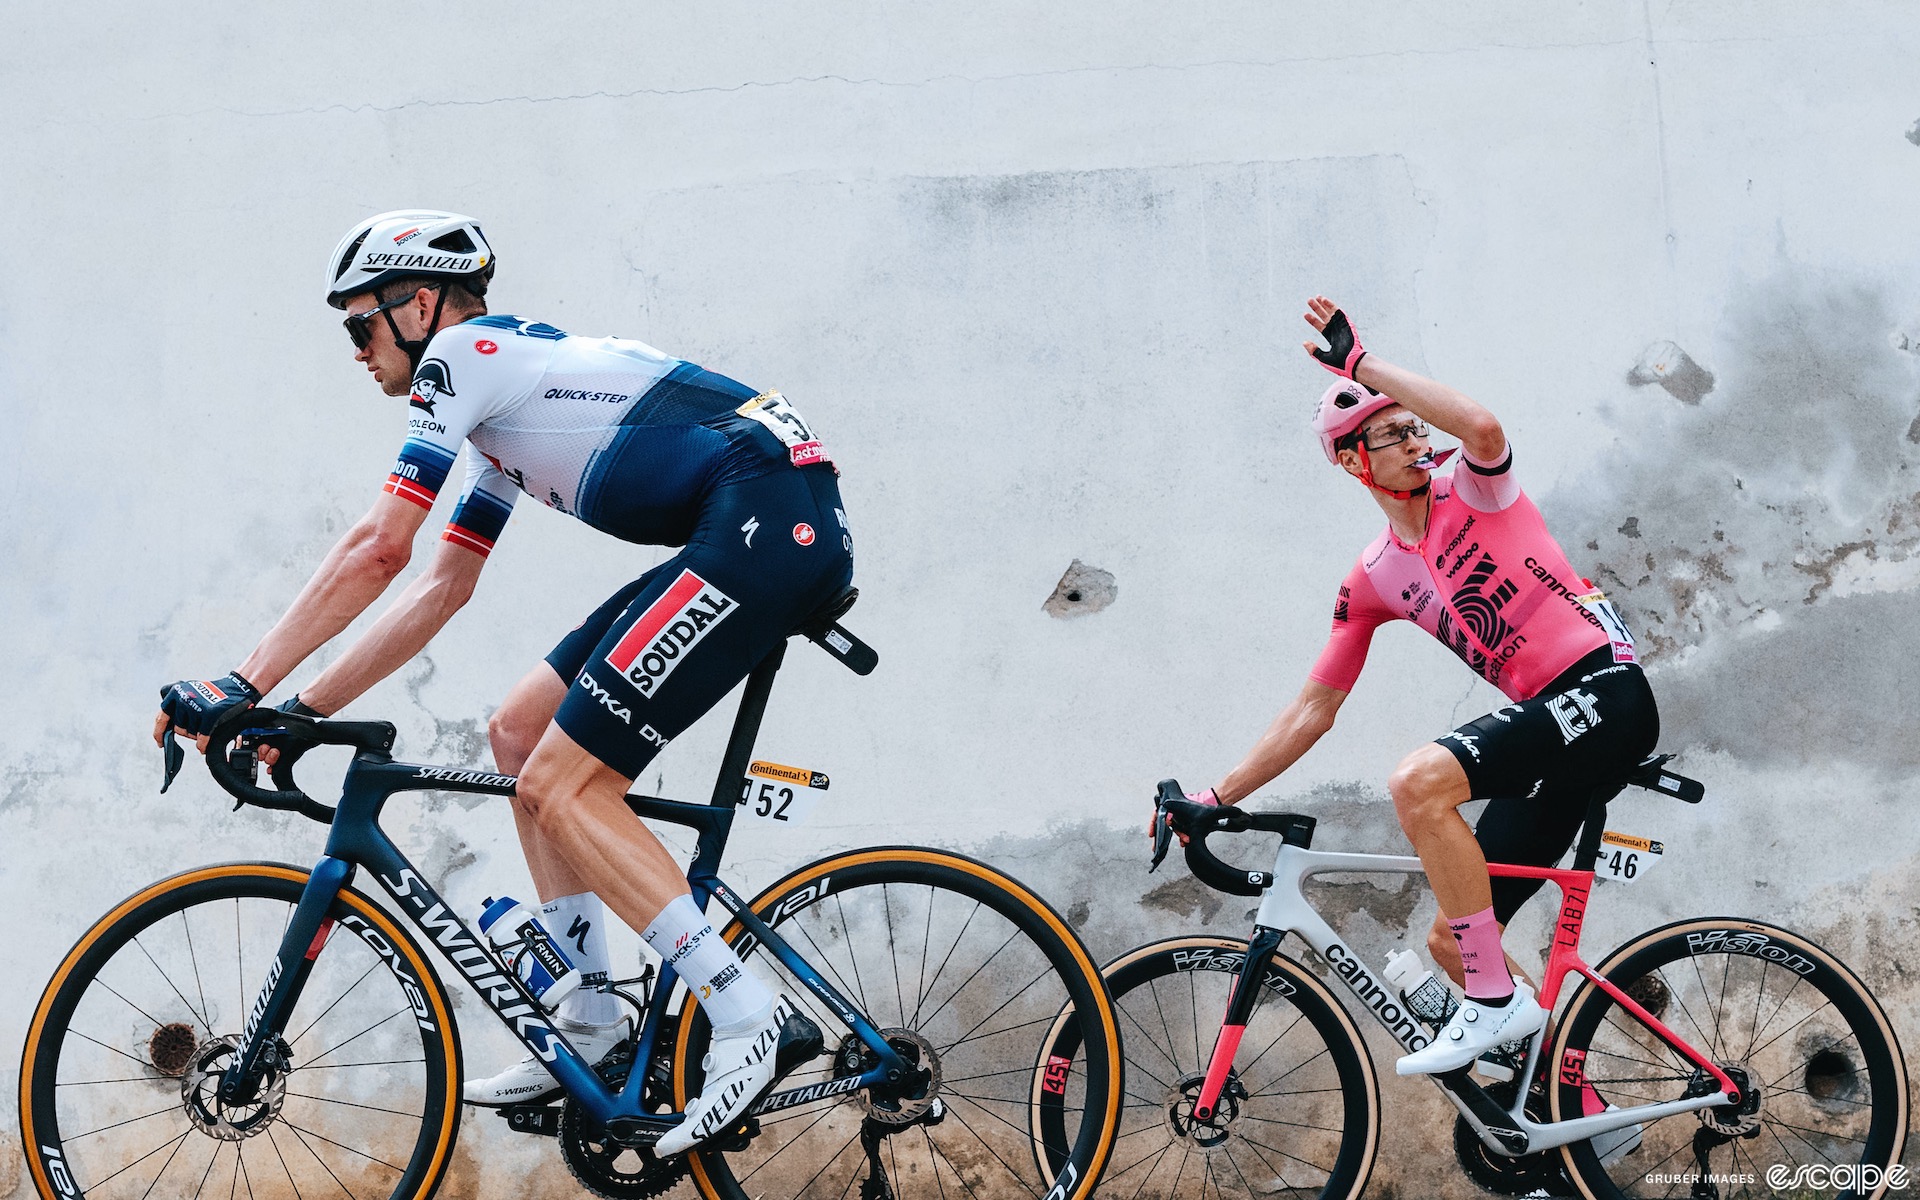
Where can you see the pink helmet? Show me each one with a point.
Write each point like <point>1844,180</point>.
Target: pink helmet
<point>1344,408</point>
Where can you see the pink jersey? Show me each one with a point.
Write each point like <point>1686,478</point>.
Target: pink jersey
<point>1489,581</point>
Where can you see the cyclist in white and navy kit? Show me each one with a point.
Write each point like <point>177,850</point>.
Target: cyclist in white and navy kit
<point>639,445</point>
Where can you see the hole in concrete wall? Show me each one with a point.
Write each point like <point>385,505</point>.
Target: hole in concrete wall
<point>1082,590</point>
<point>1669,366</point>
<point>1831,1076</point>
<point>1913,133</point>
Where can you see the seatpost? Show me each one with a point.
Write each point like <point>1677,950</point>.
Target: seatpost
<point>746,727</point>
<point>1588,851</point>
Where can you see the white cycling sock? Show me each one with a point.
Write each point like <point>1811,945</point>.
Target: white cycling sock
<point>719,981</point>
<point>578,925</point>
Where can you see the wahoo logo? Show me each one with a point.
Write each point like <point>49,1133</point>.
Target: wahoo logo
<point>430,382</point>
<point>674,624</point>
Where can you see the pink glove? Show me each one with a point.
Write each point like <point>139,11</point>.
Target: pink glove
<point>1344,351</point>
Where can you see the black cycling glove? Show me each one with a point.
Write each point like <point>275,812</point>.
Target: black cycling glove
<point>1344,352</point>
<point>193,705</point>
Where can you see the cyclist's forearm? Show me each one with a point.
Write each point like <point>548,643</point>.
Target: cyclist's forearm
<point>404,630</point>
<point>354,574</point>
<point>1292,734</point>
<point>1438,405</point>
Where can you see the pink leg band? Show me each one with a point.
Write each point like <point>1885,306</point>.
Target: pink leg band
<point>1482,961</point>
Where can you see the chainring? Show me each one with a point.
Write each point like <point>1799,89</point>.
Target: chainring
<point>1497,1173</point>
<point>614,1169</point>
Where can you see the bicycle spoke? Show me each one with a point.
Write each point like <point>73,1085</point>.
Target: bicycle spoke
<point>893,951</point>
<point>275,1143</point>
<point>295,1039</point>
<point>199,986</point>
<point>305,1145</point>
<point>969,979</point>
<point>172,1141</point>
<point>350,1104</point>
<point>302,1129</point>
<point>171,1108</point>
<point>400,1012</point>
<point>162,1172</point>
<point>171,985</point>
<point>853,959</point>
<point>954,1112</point>
<point>942,968</point>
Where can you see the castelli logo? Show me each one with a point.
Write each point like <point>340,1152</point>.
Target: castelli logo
<point>803,533</point>
<point>486,347</point>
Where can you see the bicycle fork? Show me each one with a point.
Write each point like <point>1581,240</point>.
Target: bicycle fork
<point>1246,994</point>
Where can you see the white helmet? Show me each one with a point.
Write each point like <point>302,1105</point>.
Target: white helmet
<point>409,242</point>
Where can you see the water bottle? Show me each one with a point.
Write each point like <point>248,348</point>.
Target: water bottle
<point>528,951</point>
<point>1425,995</point>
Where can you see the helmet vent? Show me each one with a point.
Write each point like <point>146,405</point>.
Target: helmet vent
<point>454,242</point>
<point>346,260</point>
<point>1345,400</point>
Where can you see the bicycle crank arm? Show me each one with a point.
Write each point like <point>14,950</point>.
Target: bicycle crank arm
<point>1482,1112</point>
<point>541,1120</point>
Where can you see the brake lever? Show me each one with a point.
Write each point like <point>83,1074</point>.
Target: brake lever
<point>172,758</point>
<point>1162,836</point>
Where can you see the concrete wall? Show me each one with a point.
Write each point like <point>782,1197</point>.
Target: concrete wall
<point>1035,272</point>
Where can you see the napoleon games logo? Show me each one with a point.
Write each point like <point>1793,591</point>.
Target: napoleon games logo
<point>659,641</point>
<point>432,381</point>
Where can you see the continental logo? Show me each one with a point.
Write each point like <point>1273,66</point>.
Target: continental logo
<point>1627,841</point>
<point>798,776</point>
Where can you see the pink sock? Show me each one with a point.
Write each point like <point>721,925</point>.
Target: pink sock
<point>1481,960</point>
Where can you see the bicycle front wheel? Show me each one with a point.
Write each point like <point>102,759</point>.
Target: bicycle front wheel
<point>119,1085</point>
<point>1299,1114</point>
<point>1825,1085</point>
<point>963,970</point>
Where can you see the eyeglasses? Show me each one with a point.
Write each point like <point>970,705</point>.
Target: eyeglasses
<point>1392,435</point>
<point>360,325</point>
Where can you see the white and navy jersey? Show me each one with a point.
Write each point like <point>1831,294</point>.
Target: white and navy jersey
<point>616,433</point>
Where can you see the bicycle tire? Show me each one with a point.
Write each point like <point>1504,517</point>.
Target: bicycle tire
<point>1330,1145</point>
<point>950,928</point>
<point>135,1013</point>
<point>1829,1066</point>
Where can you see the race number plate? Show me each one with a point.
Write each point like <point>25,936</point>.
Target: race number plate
<point>772,410</point>
<point>781,794</point>
<point>1625,857</point>
<point>1608,617</point>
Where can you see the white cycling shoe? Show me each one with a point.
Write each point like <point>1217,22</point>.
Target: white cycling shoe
<point>1475,1029</point>
<point>740,1069</point>
<point>529,1082</point>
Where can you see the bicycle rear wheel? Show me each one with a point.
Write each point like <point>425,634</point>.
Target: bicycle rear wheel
<point>119,1081</point>
<point>1804,1038</point>
<point>964,970</point>
<point>1300,1113</point>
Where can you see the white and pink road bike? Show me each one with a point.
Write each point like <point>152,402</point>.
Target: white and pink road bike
<point>1711,1057</point>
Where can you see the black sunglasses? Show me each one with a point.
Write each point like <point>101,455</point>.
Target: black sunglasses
<point>360,325</point>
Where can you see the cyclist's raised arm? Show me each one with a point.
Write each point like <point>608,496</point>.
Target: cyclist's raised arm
<point>1299,725</point>
<point>1437,404</point>
<point>354,574</point>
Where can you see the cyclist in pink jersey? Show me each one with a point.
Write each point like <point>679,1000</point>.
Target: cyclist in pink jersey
<point>1467,557</point>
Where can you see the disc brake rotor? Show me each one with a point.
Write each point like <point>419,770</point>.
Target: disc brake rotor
<point>200,1089</point>
<point>1207,1134</point>
<point>901,1103</point>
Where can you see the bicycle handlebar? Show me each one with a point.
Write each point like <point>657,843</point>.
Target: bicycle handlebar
<point>293,736</point>
<point>1173,813</point>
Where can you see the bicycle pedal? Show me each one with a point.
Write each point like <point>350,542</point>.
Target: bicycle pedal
<point>541,1120</point>
<point>736,1139</point>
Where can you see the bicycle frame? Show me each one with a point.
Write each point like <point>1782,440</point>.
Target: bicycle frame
<point>357,841</point>
<point>1284,909</point>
